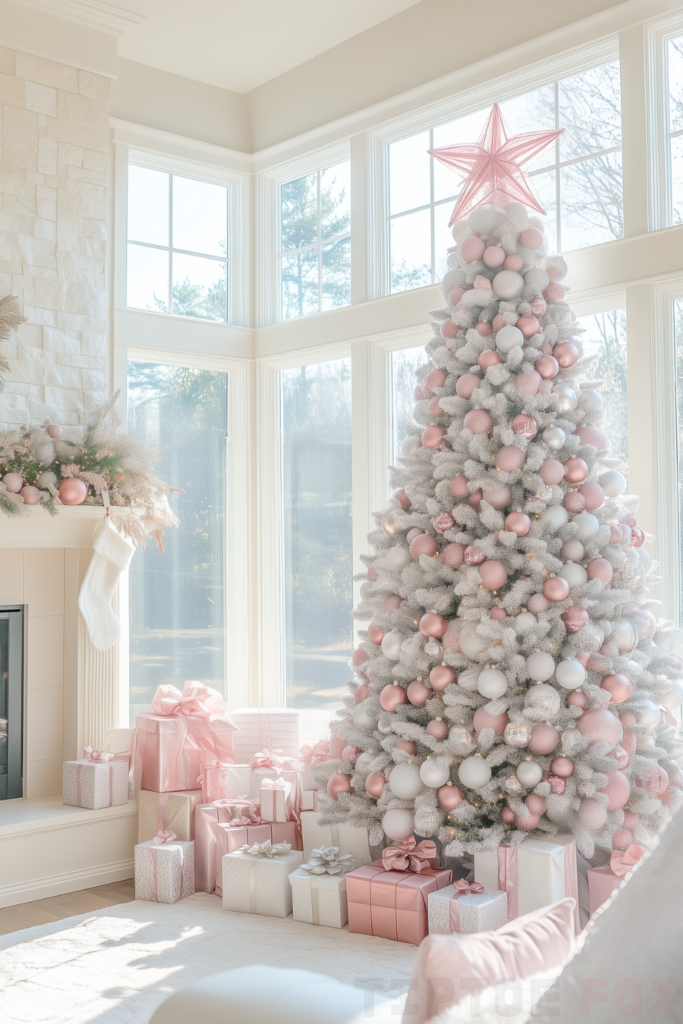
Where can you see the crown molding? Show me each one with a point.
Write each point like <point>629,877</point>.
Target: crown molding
<point>90,13</point>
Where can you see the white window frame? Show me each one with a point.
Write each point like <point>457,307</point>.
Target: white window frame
<point>657,100</point>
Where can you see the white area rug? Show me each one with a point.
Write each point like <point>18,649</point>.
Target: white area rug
<point>115,966</point>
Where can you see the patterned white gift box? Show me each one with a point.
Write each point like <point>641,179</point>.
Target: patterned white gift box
<point>348,838</point>
<point>95,784</point>
<point>319,899</point>
<point>164,874</point>
<point>475,911</point>
<point>259,885</point>
<point>276,729</point>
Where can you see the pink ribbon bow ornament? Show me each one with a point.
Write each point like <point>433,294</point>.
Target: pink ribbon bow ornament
<point>410,856</point>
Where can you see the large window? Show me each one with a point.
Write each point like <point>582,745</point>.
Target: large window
<point>316,527</point>
<point>675,127</point>
<point>578,179</point>
<point>177,245</point>
<point>605,340</point>
<point>315,242</point>
<point>177,602</point>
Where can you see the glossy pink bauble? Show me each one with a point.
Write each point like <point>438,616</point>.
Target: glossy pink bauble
<point>509,458</point>
<point>576,470</point>
<point>437,728</point>
<point>554,292</point>
<point>518,522</point>
<point>73,492</point>
<point>337,784</point>
<point>566,354</point>
<point>478,421</point>
<point>622,839</point>
<point>351,753</point>
<point>448,329</point>
<point>593,435</point>
<point>575,618</point>
<point>472,248</point>
<point>574,502</point>
<point>359,657</point>
<point>637,536</point>
<point>441,676</point>
<point>374,784</point>
<point>433,437</point>
<point>360,693</point>
<point>513,262</point>
<point>433,624</point>
<point>418,693</point>
<point>556,588</point>
<point>538,305</point>
<point>408,745</point>
<point>475,498</point>
<point>618,790</point>
<point>535,803</point>
<point>551,472</point>
<point>621,757</point>
<point>531,238</point>
<point>524,425</point>
<point>498,322</point>
<point>483,720</point>
<point>629,743</point>
<point>455,295</point>
<point>448,797</point>
<point>498,497</point>
<point>593,495</point>
<point>618,686</point>
<point>599,569</point>
<point>494,256</point>
<point>391,603</point>
<point>54,431</point>
<point>528,325</point>
<point>527,383</point>
<point>13,482</point>
<point>600,725</point>
<point>544,738</point>
<point>453,555</point>
<point>493,574</point>
<point>487,359</point>
<point>376,634</point>
<point>444,521</point>
<point>391,696</point>
<point>563,767</point>
<point>508,816</point>
<point>584,659</point>
<point>458,487</point>
<point>631,819</point>
<point>31,495</point>
<point>435,409</point>
<point>403,500</point>
<point>498,614</point>
<point>532,821</point>
<point>423,545</point>
<point>474,555</point>
<point>436,379</point>
<point>485,330</point>
<point>547,366</point>
<point>466,385</point>
<point>537,603</point>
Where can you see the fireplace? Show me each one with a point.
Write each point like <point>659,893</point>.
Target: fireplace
<point>11,702</point>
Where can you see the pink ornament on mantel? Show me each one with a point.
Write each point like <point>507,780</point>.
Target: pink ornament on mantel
<point>455,295</point>
<point>493,574</point>
<point>391,696</point>
<point>13,482</point>
<point>488,358</point>
<point>432,624</point>
<point>360,693</point>
<point>453,555</point>
<point>538,603</point>
<point>518,522</point>
<point>72,491</point>
<point>531,238</point>
<point>524,425</point>
<point>482,284</point>
<point>31,495</point>
<point>466,385</point>
<point>54,431</point>
<point>374,784</point>
<point>478,421</point>
<point>337,784</point>
<point>631,819</point>
<point>437,728</point>
<point>509,458</point>
<point>547,366</point>
<point>593,435</point>
<point>350,753</point>
<point>433,437</point>
<point>448,797</point>
<point>418,693</point>
<point>443,522</point>
<point>554,292</point>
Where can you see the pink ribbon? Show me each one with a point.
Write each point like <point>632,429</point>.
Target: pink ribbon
<point>410,856</point>
<point>285,787</point>
<point>214,765</point>
<point>623,862</point>
<point>160,839</point>
<point>265,759</point>
<point>196,700</point>
<point>247,819</point>
<point>96,755</point>
<point>462,888</point>
<point>244,807</point>
<point>507,878</point>
<point>317,754</point>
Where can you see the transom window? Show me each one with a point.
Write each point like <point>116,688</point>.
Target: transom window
<point>177,245</point>
<point>578,179</point>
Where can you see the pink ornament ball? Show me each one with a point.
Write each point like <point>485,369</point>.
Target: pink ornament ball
<point>593,435</point>
<point>508,816</point>
<point>554,292</point>
<point>337,784</point>
<point>576,470</point>
<point>376,634</point>
<point>437,728</point>
<point>557,785</point>
<point>538,603</point>
<point>408,745</point>
<point>391,696</point>
<point>475,498</point>
<point>621,757</point>
<point>486,330</point>
<point>458,487</point>
<point>535,803</point>
<point>518,522</point>
<point>72,492</point>
<point>350,753</point>
<point>577,699</point>
<point>566,354</point>
<point>483,720</point>
<point>403,500</point>
<point>528,325</point>
<point>360,693</point>
<point>418,694</point>
<point>31,495</point>
<point>656,780</point>
<point>436,379</point>
<point>474,555</point>
<point>599,569</point>
<point>423,545</point>
<point>359,657</point>
<point>54,431</point>
<point>448,329</point>
<point>618,686</point>
<point>584,659</point>
<point>631,819</point>
<point>629,744</point>
<point>538,305</point>
<point>531,238</point>
<point>494,256</point>
<point>391,603</point>
<point>13,482</point>
<point>556,588</point>
<point>574,502</point>
<point>498,322</point>
<point>466,385</point>
<point>594,495</point>
<point>337,745</point>
<point>374,784</point>
<point>433,437</point>
<point>486,359</point>
<point>453,555</point>
<point>575,618</point>
<point>513,262</point>
<point>441,676</point>
<point>524,425</point>
<point>498,614</point>
<point>548,367</point>
<point>420,393</point>
<point>529,823</point>
<point>544,739</point>
<point>493,574</point>
<point>443,522</point>
<point>563,767</point>
<point>593,814</point>
<point>478,421</point>
<point>609,651</point>
<point>637,536</point>
<point>455,295</point>
<point>527,383</point>
<point>614,534</point>
<point>618,790</point>
<point>372,574</point>
<point>434,407</point>
<point>600,726</point>
<point>622,839</point>
<point>498,497</point>
<point>551,472</point>
<point>509,458</point>
<point>433,624</point>
<point>472,248</point>
<point>448,797</point>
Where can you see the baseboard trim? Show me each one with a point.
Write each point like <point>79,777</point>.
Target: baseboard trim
<point>69,881</point>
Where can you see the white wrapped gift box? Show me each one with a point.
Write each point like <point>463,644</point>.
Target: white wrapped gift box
<point>319,899</point>
<point>259,885</point>
<point>309,800</point>
<point>164,874</point>
<point>474,911</point>
<point>273,729</point>
<point>95,784</point>
<point>259,774</point>
<point>348,838</point>
<point>275,801</point>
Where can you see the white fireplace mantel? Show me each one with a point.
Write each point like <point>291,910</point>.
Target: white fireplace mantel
<point>72,527</point>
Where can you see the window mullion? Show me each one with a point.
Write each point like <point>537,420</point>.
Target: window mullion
<point>320,253</point>
<point>170,244</point>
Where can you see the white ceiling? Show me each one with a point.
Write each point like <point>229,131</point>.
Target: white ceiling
<point>239,44</point>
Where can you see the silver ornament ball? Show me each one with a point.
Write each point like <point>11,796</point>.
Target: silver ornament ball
<point>554,437</point>
<point>529,774</point>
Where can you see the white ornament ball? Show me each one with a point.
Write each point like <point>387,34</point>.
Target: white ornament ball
<point>566,398</point>
<point>421,412</point>
<point>397,558</point>
<point>587,524</point>
<point>433,775</point>
<point>648,714</point>
<point>391,522</point>
<point>45,480</point>
<point>536,278</point>
<point>517,213</point>
<point>398,824</point>
<point>492,683</point>
<point>526,255</point>
<point>474,772</point>
<point>524,621</point>
<point>574,574</point>
<point>405,781</point>
<point>509,388</point>
<point>485,219</point>
<point>540,665</point>
<point>411,445</point>
<point>507,284</point>
<point>507,337</point>
<point>554,437</point>
<point>673,698</point>
<point>529,774</point>
<point>363,717</point>
<point>363,761</point>
<point>593,814</point>
<point>558,262</point>
<point>45,453</point>
<point>590,401</point>
<point>613,483</point>
<point>453,279</point>
<point>570,674</point>
<point>391,645</point>
<point>545,698</point>
<point>554,517</point>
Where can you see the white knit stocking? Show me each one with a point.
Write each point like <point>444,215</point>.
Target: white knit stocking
<point>111,556</point>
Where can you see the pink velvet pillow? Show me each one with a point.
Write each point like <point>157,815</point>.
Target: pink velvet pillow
<point>447,967</point>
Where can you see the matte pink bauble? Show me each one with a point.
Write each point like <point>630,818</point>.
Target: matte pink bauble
<point>433,624</point>
<point>538,603</point>
<point>593,495</point>
<point>675,777</point>
<point>584,658</point>
<point>576,470</point>
<point>498,497</point>
<point>622,839</point>
<point>518,522</point>
<point>433,436</point>
<point>488,358</point>
<point>436,378</point>
<point>574,502</point>
<point>423,545</point>
<point>337,784</point>
<point>527,383</point>
<point>420,393</point>
<point>13,482</point>
<point>575,618</point>
<point>556,588</point>
<point>528,325</point>
<point>408,745</point>
<point>609,651</point>
<point>466,385</point>
<point>538,305</point>
<point>593,435</point>
<point>600,569</point>
<point>458,487</point>
<point>391,603</point>
<point>508,816</point>
<point>478,421</point>
<point>448,797</point>
<point>532,821</point>
<point>453,555</point>
<point>351,753</point>
<point>444,521</point>
<point>441,676</point>
<point>376,634</point>
<point>437,728</point>
<point>621,757</point>
<point>600,726</point>
<point>499,322</point>
<point>572,550</point>
<point>544,738</point>
<point>403,500</point>
<point>563,767</point>
<point>535,803</point>
<point>54,431</point>
<point>618,686</point>
<point>493,574</point>
<point>359,657</point>
<point>372,574</point>
<point>448,329</point>
<point>391,696</point>
<point>337,745</point>
<point>73,492</point>
<point>494,256</point>
<point>434,408</point>
<point>474,555</point>
<point>475,498</point>
<point>551,472</point>
<point>614,534</point>
<point>485,330</point>
<point>31,495</point>
<point>374,784</point>
<point>524,425</point>
<point>618,790</point>
<point>513,262</point>
<point>554,292</point>
<point>360,693</point>
<point>452,637</point>
<point>531,238</point>
<point>418,694</point>
<point>631,819</point>
<point>548,367</point>
<point>472,248</point>
<point>566,354</point>
<point>483,720</point>
<point>509,458</point>
<point>629,743</point>
<point>498,614</point>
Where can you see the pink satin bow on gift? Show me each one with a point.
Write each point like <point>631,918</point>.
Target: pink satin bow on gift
<point>273,759</point>
<point>621,863</point>
<point>196,700</point>
<point>317,754</point>
<point>463,888</point>
<point>96,755</point>
<point>410,856</point>
<point>161,838</point>
<point>247,819</point>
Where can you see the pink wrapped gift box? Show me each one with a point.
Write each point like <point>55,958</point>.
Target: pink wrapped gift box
<point>603,881</point>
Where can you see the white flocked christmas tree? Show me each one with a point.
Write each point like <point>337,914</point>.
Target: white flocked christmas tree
<point>513,679</point>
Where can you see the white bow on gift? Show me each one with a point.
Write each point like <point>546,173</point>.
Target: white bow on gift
<point>327,860</point>
<point>266,849</point>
